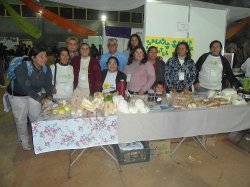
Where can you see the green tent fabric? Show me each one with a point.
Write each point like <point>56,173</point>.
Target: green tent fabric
<point>26,26</point>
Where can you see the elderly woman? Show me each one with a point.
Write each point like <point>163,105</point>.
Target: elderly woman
<point>87,72</point>
<point>180,70</point>
<point>140,73</point>
<point>112,76</point>
<point>24,92</point>
<point>213,70</point>
<point>63,76</point>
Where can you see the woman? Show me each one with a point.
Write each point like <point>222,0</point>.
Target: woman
<point>133,42</point>
<point>24,92</point>
<point>158,64</point>
<point>112,76</point>
<point>63,76</point>
<point>246,67</point>
<point>140,73</point>
<point>87,72</point>
<point>213,70</point>
<point>180,70</point>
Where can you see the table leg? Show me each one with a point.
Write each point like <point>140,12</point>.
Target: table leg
<point>112,156</point>
<point>72,161</point>
<point>200,143</point>
<point>177,146</point>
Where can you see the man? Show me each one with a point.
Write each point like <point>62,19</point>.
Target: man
<point>72,46</point>
<point>112,47</point>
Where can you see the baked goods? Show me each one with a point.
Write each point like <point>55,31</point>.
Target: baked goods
<point>184,101</point>
<point>181,100</point>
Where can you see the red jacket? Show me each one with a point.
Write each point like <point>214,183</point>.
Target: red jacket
<point>94,74</point>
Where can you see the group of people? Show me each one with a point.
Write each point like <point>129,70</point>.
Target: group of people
<point>141,71</point>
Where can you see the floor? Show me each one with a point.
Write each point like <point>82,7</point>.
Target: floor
<point>189,167</point>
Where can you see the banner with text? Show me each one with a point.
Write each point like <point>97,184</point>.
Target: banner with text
<point>166,45</point>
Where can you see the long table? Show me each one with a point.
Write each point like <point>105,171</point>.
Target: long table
<point>50,134</point>
<point>176,124</point>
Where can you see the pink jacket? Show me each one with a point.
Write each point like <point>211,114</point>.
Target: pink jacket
<point>142,76</point>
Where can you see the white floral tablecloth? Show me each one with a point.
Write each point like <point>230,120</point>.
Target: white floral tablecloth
<point>60,134</point>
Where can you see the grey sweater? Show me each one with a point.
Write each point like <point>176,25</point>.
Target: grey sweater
<point>25,85</point>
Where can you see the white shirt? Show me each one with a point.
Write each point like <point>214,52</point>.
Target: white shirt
<point>64,81</point>
<point>246,67</point>
<point>181,61</point>
<point>109,83</point>
<point>83,80</point>
<point>210,76</point>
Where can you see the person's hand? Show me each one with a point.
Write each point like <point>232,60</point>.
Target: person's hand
<point>46,101</point>
<point>141,92</point>
<point>197,86</point>
<point>173,90</point>
<point>186,90</point>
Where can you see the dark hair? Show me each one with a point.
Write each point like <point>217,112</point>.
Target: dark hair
<point>61,49</point>
<point>158,83</point>
<point>129,42</point>
<point>144,60</point>
<point>113,57</point>
<point>188,55</point>
<point>213,42</point>
<point>85,44</point>
<point>152,47</point>
<point>35,51</point>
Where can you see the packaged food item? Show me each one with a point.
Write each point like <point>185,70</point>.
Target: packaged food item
<point>109,106</point>
<point>87,105</point>
<point>238,101</point>
<point>211,93</point>
<point>229,92</point>
<point>180,100</point>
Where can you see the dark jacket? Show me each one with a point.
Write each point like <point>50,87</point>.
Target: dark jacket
<point>94,74</point>
<point>172,69</point>
<point>120,76</point>
<point>25,85</point>
<point>159,71</point>
<point>227,73</point>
